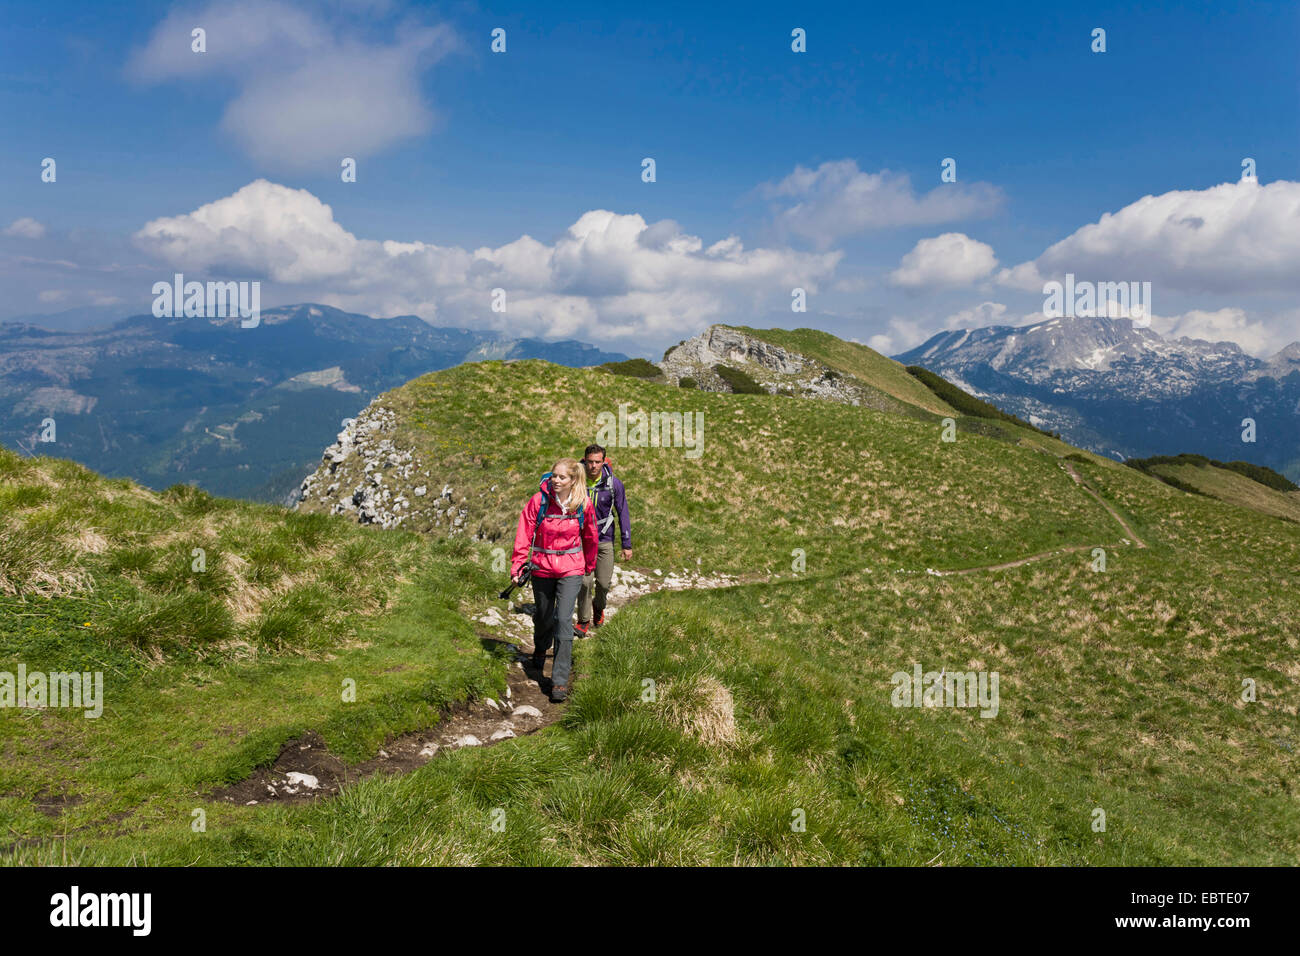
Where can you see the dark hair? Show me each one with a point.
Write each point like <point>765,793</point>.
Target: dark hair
<point>592,449</point>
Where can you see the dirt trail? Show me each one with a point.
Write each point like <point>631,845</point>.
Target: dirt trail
<point>1069,468</point>
<point>1019,561</point>
<point>305,770</point>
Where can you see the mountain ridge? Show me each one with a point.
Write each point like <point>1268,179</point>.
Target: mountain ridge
<point>1123,391</point>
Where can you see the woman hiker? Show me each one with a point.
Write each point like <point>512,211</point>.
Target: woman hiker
<point>557,532</point>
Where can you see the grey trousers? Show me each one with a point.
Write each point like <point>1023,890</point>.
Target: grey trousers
<point>603,575</point>
<point>553,622</point>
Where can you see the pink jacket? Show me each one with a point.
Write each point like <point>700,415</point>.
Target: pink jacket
<point>559,532</point>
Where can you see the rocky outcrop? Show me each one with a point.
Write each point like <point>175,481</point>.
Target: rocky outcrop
<point>366,474</point>
<point>719,345</point>
<point>776,369</point>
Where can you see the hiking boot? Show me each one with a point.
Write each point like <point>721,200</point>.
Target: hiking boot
<point>559,693</point>
<point>580,628</point>
<point>600,618</point>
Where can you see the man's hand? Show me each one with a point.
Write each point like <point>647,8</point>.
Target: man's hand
<point>627,554</point>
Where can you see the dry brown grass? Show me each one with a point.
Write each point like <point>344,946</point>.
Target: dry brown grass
<point>703,711</point>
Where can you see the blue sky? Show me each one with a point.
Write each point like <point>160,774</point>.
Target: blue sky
<point>461,149</point>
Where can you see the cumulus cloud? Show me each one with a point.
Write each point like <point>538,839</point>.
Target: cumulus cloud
<point>25,228</point>
<point>950,259</point>
<point>309,91</point>
<point>609,274</point>
<point>1237,237</point>
<point>1024,277</point>
<point>837,199</point>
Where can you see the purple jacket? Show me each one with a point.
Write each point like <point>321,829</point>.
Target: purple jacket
<point>609,494</point>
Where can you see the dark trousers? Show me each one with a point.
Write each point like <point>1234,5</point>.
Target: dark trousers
<point>553,622</point>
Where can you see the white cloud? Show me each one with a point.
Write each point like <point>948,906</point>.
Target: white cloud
<point>950,259</point>
<point>310,92</point>
<point>608,275</point>
<point>1229,324</point>
<point>837,199</point>
<point>976,317</point>
<point>25,228</point>
<point>52,295</point>
<point>1024,277</point>
<point>1232,238</point>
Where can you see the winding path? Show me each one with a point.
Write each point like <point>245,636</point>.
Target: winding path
<point>1113,513</point>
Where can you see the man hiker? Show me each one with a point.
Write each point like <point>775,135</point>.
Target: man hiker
<point>607,493</point>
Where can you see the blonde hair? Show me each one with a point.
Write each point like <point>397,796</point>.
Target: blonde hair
<point>578,496</point>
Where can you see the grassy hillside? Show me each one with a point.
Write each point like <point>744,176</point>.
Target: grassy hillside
<point>207,672</point>
<point>863,363</point>
<point>1238,483</point>
<point>1121,689</point>
<point>773,474</point>
<point>1237,489</point>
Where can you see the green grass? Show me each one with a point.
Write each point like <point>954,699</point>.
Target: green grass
<point>636,367</point>
<point>739,381</point>
<point>1093,714</point>
<point>209,666</point>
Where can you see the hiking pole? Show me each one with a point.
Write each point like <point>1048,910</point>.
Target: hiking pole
<point>524,576</point>
<point>526,573</point>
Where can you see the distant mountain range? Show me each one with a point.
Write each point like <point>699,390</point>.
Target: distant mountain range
<point>81,319</point>
<point>239,412</point>
<point>1124,392</point>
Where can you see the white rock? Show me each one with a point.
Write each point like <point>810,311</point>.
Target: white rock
<point>491,703</point>
<point>419,492</point>
<point>504,734</point>
<point>526,710</point>
<point>467,740</point>
<point>429,750</point>
<point>295,779</point>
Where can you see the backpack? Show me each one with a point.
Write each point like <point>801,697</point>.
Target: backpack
<point>608,523</point>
